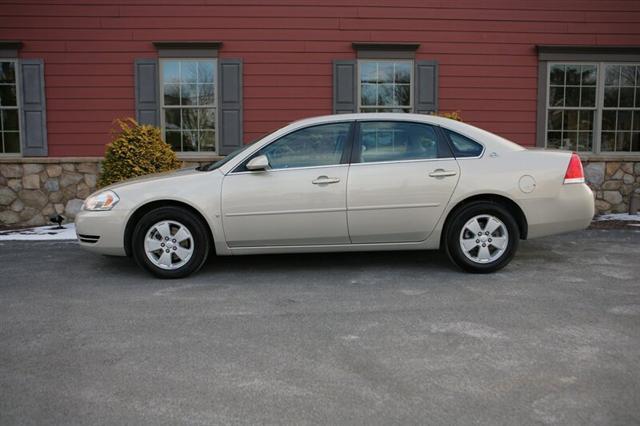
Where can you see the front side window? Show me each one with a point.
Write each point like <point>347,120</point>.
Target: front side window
<point>385,86</point>
<point>9,110</point>
<point>310,147</point>
<point>593,107</point>
<point>396,141</point>
<point>188,98</point>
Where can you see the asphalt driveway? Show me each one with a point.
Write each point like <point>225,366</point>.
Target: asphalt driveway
<point>373,338</point>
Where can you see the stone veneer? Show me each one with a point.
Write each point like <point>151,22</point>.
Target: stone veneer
<point>33,189</point>
<point>613,182</point>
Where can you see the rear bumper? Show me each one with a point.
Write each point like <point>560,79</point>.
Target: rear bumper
<point>102,232</point>
<point>571,210</point>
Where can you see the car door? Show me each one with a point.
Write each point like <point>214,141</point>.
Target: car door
<point>300,199</point>
<point>400,181</point>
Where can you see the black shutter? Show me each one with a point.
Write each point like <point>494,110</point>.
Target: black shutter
<point>344,87</point>
<point>230,104</point>
<point>147,87</point>
<point>33,105</point>
<point>426,87</point>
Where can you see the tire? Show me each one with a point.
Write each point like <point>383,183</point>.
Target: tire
<point>155,249</point>
<point>483,253</point>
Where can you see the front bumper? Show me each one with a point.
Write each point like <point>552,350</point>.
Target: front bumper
<point>102,232</point>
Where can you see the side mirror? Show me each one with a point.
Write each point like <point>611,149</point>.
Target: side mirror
<point>261,162</point>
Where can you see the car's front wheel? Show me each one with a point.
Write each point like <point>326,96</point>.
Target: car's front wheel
<point>170,242</point>
<point>482,237</point>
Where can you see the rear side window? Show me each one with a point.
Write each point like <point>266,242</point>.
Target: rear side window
<point>396,141</point>
<point>462,146</point>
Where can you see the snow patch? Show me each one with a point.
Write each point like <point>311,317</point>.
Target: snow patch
<point>618,216</point>
<point>41,233</point>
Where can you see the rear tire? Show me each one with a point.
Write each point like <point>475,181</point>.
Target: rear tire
<point>482,237</point>
<point>170,242</point>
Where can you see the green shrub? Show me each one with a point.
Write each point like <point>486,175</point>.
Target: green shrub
<point>137,150</point>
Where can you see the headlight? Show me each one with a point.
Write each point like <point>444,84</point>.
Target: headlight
<point>101,201</point>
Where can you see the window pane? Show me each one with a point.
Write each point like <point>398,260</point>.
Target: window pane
<point>623,141</point>
<point>612,75</point>
<point>7,72</point>
<point>207,140</point>
<point>608,120</point>
<point>205,94</point>
<point>572,98</point>
<point>312,146</point>
<point>10,119</point>
<point>190,140</point>
<point>588,98</point>
<point>11,142</point>
<point>626,97</point>
<point>207,118</point>
<point>585,141</point>
<point>188,94</point>
<point>368,95</point>
<point>569,140</point>
<point>589,75</point>
<point>171,71</point>
<point>172,94</point>
<point>635,142</point>
<point>556,96</point>
<point>638,96</point>
<point>205,72</point>
<point>556,76</point>
<point>627,75</point>
<point>396,141</point>
<point>385,72</point>
<point>624,120</point>
<point>385,94</point>
<point>611,97</point>
<point>368,72</point>
<point>554,139</point>
<point>554,121</point>
<point>573,75</point>
<point>570,120</point>
<point>172,119</point>
<point>403,72</point>
<point>636,120</point>
<point>189,119</point>
<point>608,141</point>
<point>586,120</point>
<point>402,94</point>
<point>8,95</point>
<point>188,72</point>
<point>173,139</point>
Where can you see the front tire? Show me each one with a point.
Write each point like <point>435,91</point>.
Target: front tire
<point>170,242</point>
<point>482,237</point>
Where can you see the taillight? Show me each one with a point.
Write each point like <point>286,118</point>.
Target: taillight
<point>574,174</point>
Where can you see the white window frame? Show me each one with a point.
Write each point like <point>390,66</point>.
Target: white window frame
<point>215,106</point>
<point>18,107</point>
<point>363,109</point>
<point>596,147</point>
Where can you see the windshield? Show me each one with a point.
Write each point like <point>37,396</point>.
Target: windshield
<point>217,164</point>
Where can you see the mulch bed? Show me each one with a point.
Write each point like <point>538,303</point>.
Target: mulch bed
<point>615,224</point>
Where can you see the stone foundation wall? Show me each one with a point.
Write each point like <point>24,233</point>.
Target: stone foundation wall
<point>33,189</point>
<point>613,183</point>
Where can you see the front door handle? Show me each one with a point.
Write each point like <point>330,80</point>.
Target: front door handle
<point>324,180</point>
<point>438,173</point>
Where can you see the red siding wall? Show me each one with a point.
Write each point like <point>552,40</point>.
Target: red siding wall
<point>486,51</point>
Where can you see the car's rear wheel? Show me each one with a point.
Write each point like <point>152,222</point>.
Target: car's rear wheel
<point>170,242</point>
<point>482,237</point>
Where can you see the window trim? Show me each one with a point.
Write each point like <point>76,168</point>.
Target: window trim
<point>412,66</point>
<point>18,107</point>
<point>580,54</point>
<point>596,148</point>
<point>216,104</point>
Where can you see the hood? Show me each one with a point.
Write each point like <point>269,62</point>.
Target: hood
<point>151,178</point>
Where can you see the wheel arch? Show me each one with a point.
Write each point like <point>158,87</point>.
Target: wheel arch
<point>509,204</point>
<point>145,208</point>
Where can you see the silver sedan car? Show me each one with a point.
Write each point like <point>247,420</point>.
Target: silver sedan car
<point>346,183</point>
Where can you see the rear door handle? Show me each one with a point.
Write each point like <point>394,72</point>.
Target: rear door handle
<point>438,173</point>
<point>324,180</point>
